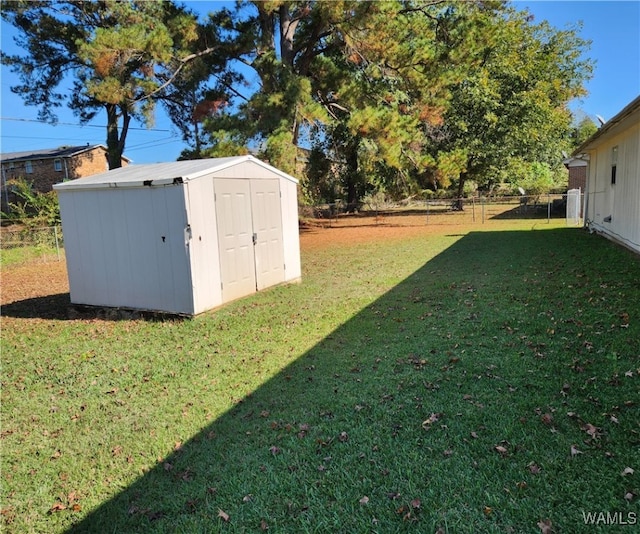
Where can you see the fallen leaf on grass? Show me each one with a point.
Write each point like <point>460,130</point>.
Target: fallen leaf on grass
<point>426,424</point>
<point>545,526</point>
<point>591,430</point>
<point>364,500</point>
<point>534,469</point>
<point>223,515</point>
<point>575,451</point>
<point>627,471</point>
<point>547,419</point>
<point>57,507</point>
<point>415,503</point>
<point>487,510</point>
<point>629,496</point>
<point>275,450</point>
<point>502,450</point>
<point>263,525</point>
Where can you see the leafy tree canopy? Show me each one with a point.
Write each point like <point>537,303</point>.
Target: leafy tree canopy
<point>395,95</point>
<point>120,55</point>
<point>400,95</point>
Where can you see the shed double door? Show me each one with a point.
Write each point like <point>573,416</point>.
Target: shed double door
<point>249,235</point>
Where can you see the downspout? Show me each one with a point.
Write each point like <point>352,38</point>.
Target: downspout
<point>585,200</point>
<point>66,170</point>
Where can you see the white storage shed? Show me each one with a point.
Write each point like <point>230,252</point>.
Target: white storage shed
<point>181,237</point>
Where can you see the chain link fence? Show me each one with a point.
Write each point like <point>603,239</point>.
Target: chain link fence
<point>465,211</point>
<point>20,244</point>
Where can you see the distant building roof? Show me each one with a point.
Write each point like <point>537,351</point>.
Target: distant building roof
<point>65,151</point>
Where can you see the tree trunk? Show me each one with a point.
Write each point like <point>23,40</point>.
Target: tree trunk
<point>113,153</point>
<point>288,27</point>
<point>115,139</point>
<point>353,194</point>
<point>458,201</point>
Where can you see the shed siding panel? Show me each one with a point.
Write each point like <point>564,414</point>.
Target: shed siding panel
<point>72,231</point>
<point>169,214</point>
<point>90,284</point>
<point>142,287</point>
<point>290,231</point>
<point>116,252</point>
<point>115,229</point>
<point>204,254</point>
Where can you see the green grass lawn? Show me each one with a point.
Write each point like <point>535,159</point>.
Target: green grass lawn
<point>485,382</point>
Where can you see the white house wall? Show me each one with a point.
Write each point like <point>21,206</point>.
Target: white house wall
<point>620,201</point>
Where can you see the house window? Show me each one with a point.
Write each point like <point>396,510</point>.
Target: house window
<point>57,164</point>
<point>28,167</point>
<point>614,164</point>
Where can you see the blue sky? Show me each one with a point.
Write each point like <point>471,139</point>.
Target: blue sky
<point>613,28</point>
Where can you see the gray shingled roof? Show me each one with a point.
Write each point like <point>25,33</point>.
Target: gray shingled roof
<point>49,153</point>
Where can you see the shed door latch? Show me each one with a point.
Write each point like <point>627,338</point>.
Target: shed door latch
<point>255,239</point>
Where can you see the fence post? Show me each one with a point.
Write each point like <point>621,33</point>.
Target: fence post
<point>427,202</point>
<point>483,209</point>
<point>55,233</point>
<point>548,208</point>
<point>473,209</point>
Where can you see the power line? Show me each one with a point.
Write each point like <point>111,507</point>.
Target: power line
<point>45,123</point>
<point>151,144</point>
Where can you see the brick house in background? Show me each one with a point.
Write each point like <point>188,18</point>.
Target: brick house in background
<point>577,168</point>
<point>49,166</point>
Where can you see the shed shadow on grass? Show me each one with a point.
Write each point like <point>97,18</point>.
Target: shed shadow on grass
<point>58,307</point>
<point>53,307</point>
<point>357,392</point>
